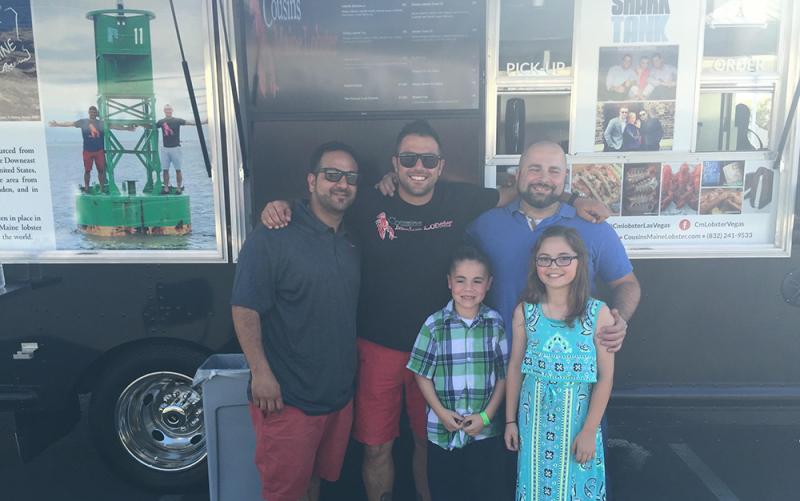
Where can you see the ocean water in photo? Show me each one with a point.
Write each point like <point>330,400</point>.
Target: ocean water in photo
<point>66,177</point>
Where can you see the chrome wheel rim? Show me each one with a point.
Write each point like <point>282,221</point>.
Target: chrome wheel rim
<point>160,422</point>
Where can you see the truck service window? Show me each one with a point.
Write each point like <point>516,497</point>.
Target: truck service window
<point>734,121</point>
<point>741,36</point>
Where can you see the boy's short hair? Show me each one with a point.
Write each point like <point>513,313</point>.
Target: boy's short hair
<point>328,147</point>
<point>418,128</point>
<point>470,253</point>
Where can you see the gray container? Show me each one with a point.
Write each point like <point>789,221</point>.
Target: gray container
<point>231,441</point>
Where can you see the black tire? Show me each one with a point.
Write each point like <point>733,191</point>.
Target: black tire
<point>147,422</point>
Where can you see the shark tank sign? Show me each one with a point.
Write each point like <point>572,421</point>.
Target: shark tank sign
<point>638,21</point>
<point>281,10</point>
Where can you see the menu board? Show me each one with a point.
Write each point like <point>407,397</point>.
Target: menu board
<point>374,55</point>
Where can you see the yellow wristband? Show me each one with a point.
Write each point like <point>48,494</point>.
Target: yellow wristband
<point>486,420</point>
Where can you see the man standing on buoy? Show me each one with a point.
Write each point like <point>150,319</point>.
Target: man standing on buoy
<point>170,152</point>
<point>93,131</point>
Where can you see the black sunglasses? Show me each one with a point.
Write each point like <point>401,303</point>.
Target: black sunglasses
<point>429,160</point>
<point>334,175</point>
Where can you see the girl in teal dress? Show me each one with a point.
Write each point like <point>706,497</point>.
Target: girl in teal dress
<point>559,376</point>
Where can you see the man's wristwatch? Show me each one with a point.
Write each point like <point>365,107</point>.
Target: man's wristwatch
<point>574,196</point>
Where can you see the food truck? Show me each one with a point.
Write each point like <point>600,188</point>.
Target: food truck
<point>678,115</point>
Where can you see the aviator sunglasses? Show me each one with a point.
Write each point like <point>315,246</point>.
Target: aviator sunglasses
<point>409,160</point>
<point>334,175</point>
<point>561,261</point>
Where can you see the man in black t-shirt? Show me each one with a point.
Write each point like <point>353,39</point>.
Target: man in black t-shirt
<point>171,153</point>
<point>652,132</point>
<point>406,242</point>
<point>93,132</point>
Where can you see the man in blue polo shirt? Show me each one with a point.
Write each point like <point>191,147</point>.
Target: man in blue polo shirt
<point>507,235</point>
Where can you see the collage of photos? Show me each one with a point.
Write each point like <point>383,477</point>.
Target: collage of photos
<point>636,98</point>
<point>672,189</point>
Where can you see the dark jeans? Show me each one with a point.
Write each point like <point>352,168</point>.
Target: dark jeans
<point>617,96</point>
<point>661,93</point>
<point>463,474</point>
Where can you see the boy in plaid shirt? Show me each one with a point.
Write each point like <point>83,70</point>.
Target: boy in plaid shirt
<point>460,360</point>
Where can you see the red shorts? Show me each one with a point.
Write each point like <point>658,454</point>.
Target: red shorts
<point>382,379</point>
<point>292,446</point>
<point>99,158</point>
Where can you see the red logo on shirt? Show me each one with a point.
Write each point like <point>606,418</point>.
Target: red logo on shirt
<point>383,227</point>
<point>167,130</point>
<point>93,132</point>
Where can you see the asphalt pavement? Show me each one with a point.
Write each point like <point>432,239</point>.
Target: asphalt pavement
<point>656,453</point>
<point>71,469</point>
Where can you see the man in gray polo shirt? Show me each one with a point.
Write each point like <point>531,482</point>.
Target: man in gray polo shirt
<point>294,310</point>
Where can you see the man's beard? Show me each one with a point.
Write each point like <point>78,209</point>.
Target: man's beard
<point>332,204</point>
<point>417,191</point>
<point>539,201</point>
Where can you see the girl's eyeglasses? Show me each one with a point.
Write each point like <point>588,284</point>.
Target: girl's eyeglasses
<point>561,261</point>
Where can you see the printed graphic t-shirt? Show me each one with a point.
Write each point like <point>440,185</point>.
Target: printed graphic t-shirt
<point>171,131</point>
<point>93,134</point>
<point>405,256</point>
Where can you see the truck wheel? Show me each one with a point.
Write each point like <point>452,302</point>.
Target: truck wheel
<point>146,420</point>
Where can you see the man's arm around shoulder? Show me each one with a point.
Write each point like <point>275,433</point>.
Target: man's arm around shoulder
<point>625,296</point>
<point>507,195</point>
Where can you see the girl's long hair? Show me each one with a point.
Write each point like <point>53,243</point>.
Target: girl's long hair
<point>579,289</point>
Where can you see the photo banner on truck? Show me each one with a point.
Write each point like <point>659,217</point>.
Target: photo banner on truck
<point>99,150</point>
<point>26,213</point>
<point>684,203</point>
<point>636,56</point>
